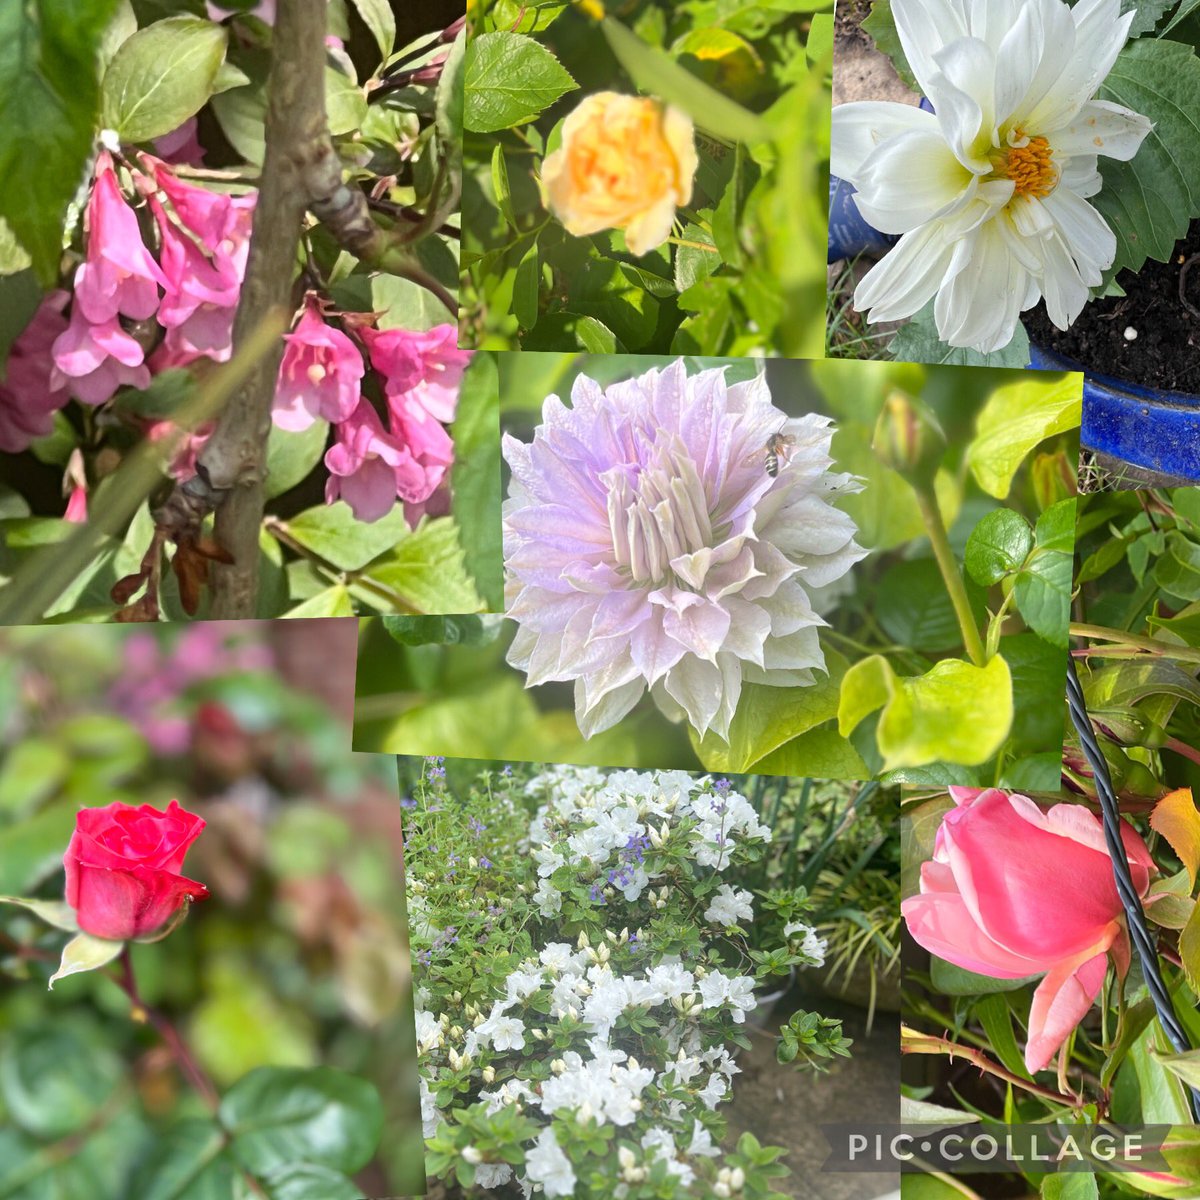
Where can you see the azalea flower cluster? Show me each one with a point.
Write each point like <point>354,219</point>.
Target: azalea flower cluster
<point>137,309</point>
<point>668,533</point>
<point>627,1027</point>
<point>602,824</point>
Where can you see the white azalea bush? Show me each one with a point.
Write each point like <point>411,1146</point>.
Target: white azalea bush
<point>585,964</point>
<point>1059,150</point>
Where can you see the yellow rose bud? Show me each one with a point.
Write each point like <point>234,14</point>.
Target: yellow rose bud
<point>626,162</point>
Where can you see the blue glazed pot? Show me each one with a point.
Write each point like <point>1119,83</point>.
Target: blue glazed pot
<point>849,233</point>
<point>1154,430</point>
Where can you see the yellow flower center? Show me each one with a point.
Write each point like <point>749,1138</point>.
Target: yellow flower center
<point>1031,168</point>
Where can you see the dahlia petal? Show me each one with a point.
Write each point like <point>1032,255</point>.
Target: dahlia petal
<point>861,127</point>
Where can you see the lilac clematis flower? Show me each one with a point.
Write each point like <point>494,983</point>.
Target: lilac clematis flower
<point>648,545</point>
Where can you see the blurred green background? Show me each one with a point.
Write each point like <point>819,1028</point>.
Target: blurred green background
<point>298,958</point>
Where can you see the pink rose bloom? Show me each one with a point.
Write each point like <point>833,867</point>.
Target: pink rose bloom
<point>320,375</point>
<point>1014,891</point>
<point>94,360</point>
<point>180,145</point>
<point>28,399</point>
<point>119,275</point>
<point>368,468</point>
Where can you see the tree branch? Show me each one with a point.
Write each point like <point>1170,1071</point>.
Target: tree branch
<point>234,457</point>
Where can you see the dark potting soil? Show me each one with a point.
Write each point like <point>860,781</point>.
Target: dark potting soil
<point>1164,349</point>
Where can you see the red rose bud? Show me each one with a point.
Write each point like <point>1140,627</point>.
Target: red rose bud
<point>908,438</point>
<point>123,868</point>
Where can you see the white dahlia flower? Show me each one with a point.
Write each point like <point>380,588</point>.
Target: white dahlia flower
<point>990,194</point>
<point>651,540</point>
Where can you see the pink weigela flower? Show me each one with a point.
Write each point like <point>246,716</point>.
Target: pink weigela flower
<point>28,398</point>
<point>119,275</point>
<point>368,467</point>
<point>646,545</point>
<point>94,360</point>
<point>320,375</point>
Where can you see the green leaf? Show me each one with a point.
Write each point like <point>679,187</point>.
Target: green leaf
<point>427,570</point>
<point>996,1018</point>
<point>54,912</point>
<point>950,980</point>
<point>1161,80</point>
<point>1043,586</point>
<point>162,75</point>
<point>955,712</point>
<point>466,630</point>
<point>305,1181</point>
<point>998,546</point>
<point>658,74</point>
<point>919,612</point>
<point>187,1162</point>
<point>448,103</point>
<point>378,17</point>
<point>1177,570</point>
<point>49,96</point>
<point>821,753</point>
<point>13,258</point>
<point>917,341</point>
<point>1016,417</point>
<point>1070,1185</point>
<point>85,953</point>
<point>881,25</point>
<point>33,770</point>
<point>333,533</point>
<point>332,602</point>
<point>345,103</point>
<point>691,263</point>
<point>292,455</point>
<point>767,718</point>
<point>525,288</point>
<point>54,1078</point>
<point>1186,8</point>
<point>509,79</point>
<point>278,1117</point>
<point>475,478</point>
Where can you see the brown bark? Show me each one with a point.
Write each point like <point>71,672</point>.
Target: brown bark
<point>234,457</point>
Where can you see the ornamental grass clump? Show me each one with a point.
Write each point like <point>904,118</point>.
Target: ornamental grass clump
<point>584,979</point>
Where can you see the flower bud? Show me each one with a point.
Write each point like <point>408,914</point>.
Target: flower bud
<point>626,1158</point>
<point>737,1179</point>
<point>908,438</point>
<point>472,1155</point>
<point>1054,479</point>
<point>488,1074</point>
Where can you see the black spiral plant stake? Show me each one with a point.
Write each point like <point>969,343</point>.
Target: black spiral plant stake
<point>1143,940</point>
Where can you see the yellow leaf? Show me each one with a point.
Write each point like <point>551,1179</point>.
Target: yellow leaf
<point>1176,818</point>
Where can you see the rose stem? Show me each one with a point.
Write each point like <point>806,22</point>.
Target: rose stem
<point>937,1045</point>
<point>951,576</point>
<point>1136,641</point>
<point>142,1012</point>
